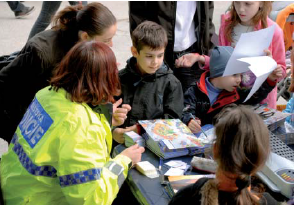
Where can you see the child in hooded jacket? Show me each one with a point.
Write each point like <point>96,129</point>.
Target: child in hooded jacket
<point>206,98</point>
<point>243,17</point>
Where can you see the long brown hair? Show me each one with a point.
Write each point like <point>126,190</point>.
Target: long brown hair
<point>93,18</point>
<point>88,73</point>
<point>261,16</point>
<point>242,146</point>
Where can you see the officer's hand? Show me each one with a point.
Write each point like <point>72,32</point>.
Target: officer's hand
<point>134,153</point>
<point>118,133</point>
<point>120,114</point>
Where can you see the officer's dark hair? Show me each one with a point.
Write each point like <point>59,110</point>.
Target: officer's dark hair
<point>93,18</point>
<point>88,73</point>
<point>149,34</point>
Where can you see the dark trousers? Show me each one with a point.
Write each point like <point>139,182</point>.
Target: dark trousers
<point>16,6</point>
<point>187,76</point>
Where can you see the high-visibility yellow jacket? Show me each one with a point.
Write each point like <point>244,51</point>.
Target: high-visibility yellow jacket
<point>60,154</point>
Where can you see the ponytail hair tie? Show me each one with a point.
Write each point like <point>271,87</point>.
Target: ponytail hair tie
<point>243,182</point>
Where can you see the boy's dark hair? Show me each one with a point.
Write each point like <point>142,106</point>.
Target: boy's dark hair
<point>242,147</point>
<point>93,18</point>
<point>88,73</point>
<point>149,34</point>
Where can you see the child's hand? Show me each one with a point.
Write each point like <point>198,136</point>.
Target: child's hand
<point>189,60</point>
<point>268,53</point>
<point>120,114</point>
<point>276,74</point>
<point>195,125</point>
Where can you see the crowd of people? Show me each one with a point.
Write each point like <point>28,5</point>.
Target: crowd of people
<point>65,105</point>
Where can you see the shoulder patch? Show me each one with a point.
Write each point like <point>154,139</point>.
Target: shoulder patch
<point>35,123</point>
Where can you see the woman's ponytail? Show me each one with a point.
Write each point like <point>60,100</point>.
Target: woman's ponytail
<point>66,18</point>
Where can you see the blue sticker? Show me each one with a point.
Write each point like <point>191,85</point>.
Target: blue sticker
<point>35,123</point>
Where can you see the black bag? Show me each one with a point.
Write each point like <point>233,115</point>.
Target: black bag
<point>6,59</point>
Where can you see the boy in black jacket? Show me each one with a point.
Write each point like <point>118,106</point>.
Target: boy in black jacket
<point>148,85</point>
<point>206,98</point>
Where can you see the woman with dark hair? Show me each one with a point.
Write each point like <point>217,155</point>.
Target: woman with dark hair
<point>60,153</point>
<point>32,68</point>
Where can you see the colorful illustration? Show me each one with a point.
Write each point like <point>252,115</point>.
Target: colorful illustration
<point>175,133</point>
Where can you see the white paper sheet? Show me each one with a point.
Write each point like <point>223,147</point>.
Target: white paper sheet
<point>250,44</point>
<point>249,55</point>
<point>174,171</point>
<point>261,67</point>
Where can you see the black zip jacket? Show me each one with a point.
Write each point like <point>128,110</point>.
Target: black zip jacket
<point>152,96</point>
<point>30,71</point>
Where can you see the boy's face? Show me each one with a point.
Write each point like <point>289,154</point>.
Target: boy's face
<point>229,83</point>
<point>148,60</point>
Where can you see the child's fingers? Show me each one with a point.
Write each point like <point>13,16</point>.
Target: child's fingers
<point>268,52</point>
<point>127,107</point>
<point>195,125</point>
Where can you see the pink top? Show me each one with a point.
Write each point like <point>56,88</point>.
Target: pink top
<point>277,49</point>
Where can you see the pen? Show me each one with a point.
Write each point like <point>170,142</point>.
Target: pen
<point>160,164</point>
<point>193,117</point>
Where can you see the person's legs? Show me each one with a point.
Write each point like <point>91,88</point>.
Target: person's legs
<point>16,6</point>
<point>73,3</point>
<point>48,10</point>
<point>187,76</point>
<point>19,9</point>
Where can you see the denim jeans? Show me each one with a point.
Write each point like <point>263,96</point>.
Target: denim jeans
<point>16,6</point>
<point>48,10</point>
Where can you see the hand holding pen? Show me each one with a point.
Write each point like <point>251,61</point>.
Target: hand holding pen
<point>195,125</point>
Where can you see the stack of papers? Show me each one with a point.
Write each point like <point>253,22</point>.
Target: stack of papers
<point>177,167</point>
<point>168,138</point>
<point>146,168</point>
<point>132,138</point>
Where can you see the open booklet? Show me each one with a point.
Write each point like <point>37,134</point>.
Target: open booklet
<point>249,55</point>
<point>169,138</point>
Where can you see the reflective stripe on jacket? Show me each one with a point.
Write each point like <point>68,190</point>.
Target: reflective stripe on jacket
<point>60,155</point>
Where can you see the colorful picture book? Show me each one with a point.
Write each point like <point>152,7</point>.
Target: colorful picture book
<point>175,183</point>
<point>169,138</point>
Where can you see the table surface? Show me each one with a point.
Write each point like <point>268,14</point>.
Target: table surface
<point>149,191</point>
